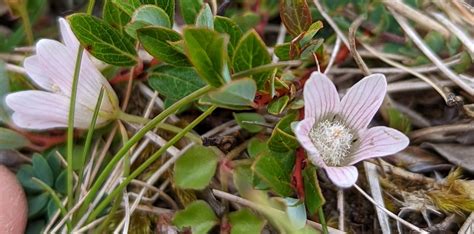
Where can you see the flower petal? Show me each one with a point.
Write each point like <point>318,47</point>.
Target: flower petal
<point>343,177</point>
<point>363,100</point>
<point>43,110</point>
<point>67,35</point>
<point>35,70</point>
<point>302,134</point>
<point>320,96</point>
<point>58,63</point>
<point>377,142</point>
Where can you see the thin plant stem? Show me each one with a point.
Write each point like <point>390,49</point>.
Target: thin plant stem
<point>138,136</point>
<point>264,68</point>
<point>55,198</point>
<point>26,22</point>
<point>147,163</point>
<point>70,125</point>
<point>165,126</point>
<point>322,220</point>
<point>70,128</point>
<point>88,141</point>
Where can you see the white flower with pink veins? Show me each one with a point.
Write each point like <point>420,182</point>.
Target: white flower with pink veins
<point>334,132</point>
<point>52,69</point>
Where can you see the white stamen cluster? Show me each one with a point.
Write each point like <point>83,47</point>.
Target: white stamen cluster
<point>333,141</point>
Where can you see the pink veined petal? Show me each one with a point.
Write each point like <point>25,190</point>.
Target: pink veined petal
<point>343,177</point>
<point>67,35</point>
<point>58,63</point>
<point>302,135</point>
<point>37,73</point>
<point>363,100</point>
<point>377,142</point>
<point>43,110</point>
<point>320,96</point>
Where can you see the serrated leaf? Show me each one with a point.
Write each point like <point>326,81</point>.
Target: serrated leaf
<point>147,15</point>
<point>190,9</point>
<point>313,196</point>
<point>175,82</point>
<point>205,18</point>
<point>282,138</point>
<point>157,41</point>
<point>198,216</point>
<point>229,27</point>
<point>128,6</point>
<point>167,5</point>
<point>277,106</point>
<point>237,93</point>
<point>245,222</point>
<point>102,40</point>
<point>295,15</point>
<point>10,139</point>
<point>249,121</point>
<point>114,15</point>
<point>275,169</point>
<point>251,52</point>
<point>195,169</point>
<point>207,51</point>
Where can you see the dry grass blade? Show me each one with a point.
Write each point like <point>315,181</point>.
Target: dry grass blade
<point>376,191</point>
<point>430,54</point>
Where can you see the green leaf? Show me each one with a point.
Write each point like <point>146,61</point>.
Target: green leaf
<point>167,5</point>
<point>147,15</point>
<point>195,169</point>
<point>175,82</point>
<point>37,205</point>
<point>207,51</point>
<point>296,212</point>
<point>42,170</point>
<point>245,222</point>
<point>102,40</point>
<point>24,175</point>
<point>313,29</point>
<point>282,139</point>
<point>256,146</point>
<point>114,15</point>
<point>51,208</point>
<point>275,169</point>
<point>399,121</point>
<point>128,6</point>
<point>282,51</point>
<point>251,52</point>
<point>157,41</point>
<point>435,41</point>
<point>237,93</point>
<point>61,183</point>
<point>198,216</point>
<point>10,139</point>
<point>249,121</point>
<point>4,90</point>
<point>277,106</point>
<point>312,192</point>
<point>35,226</point>
<point>464,64</point>
<point>229,27</point>
<point>295,15</point>
<point>247,20</point>
<point>190,9</point>
<point>205,18</point>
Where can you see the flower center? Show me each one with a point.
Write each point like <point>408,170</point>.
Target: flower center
<point>333,141</point>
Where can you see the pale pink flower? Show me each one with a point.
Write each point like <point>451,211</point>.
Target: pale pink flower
<point>334,132</point>
<point>52,69</point>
